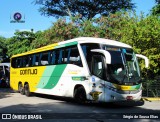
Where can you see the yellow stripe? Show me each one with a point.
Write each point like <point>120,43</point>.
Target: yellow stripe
<point>122,87</point>
<point>151,98</point>
<point>45,48</point>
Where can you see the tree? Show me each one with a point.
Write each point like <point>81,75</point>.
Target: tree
<point>3,50</point>
<point>2,45</point>
<point>59,31</point>
<point>156,9</point>
<point>21,35</point>
<point>20,42</point>
<point>86,8</point>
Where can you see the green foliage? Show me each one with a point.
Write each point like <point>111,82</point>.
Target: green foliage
<point>88,9</point>
<point>60,31</point>
<point>3,50</point>
<point>156,9</point>
<point>20,42</point>
<point>2,45</point>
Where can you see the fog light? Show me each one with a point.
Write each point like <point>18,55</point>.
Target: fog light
<point>129,98</point>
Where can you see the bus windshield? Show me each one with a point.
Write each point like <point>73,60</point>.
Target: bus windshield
<point>124,67</point>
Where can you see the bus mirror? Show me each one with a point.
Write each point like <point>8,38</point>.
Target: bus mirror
<point>105,53</point>
<point>145,59</point>
<point>108,57</point>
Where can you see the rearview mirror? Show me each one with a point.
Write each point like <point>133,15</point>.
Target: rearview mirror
<point>105,53</point>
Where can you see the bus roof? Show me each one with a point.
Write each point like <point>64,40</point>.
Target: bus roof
<point>97,40</point>
<point>76,41</point>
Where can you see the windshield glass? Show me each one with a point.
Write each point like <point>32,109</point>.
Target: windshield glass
<point>124,67</point>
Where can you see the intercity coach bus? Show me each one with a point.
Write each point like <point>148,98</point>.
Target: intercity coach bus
<point>83,68</point>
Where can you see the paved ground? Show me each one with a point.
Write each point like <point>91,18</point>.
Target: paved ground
<point>64,109</point>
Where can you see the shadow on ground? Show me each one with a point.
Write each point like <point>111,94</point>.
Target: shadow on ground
<point>5,92</point>
<point>66,108</point>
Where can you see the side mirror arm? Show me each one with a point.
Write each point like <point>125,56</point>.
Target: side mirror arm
<point>105,53</point>
<point>145,59</point>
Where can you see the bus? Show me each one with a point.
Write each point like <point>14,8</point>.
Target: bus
<point>83,68</point>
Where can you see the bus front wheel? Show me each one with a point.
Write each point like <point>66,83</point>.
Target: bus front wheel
<point>80,95</point>
<point>26,90</point>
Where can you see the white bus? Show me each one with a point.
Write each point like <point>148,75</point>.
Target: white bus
<point>84,68</point>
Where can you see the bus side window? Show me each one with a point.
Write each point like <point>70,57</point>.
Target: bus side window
<point>13,63</point>
<point>66,56</point>
<point>57,57</point>
<point>87,52</point>
<point>19,62</point>
<point>25,61</point>
<point>30,58</point>
<point>97,66</point>
<point>74,57</point>
<point>49,57</point>
<point>61,56</point>
<point>35,60</point>
<point>44,58</point>
<point>16,63</point>
<point>53,57</point>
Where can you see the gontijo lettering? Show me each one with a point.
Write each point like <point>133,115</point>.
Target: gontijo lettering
<point>28,72</point>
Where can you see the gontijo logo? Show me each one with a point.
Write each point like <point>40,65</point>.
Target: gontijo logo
<point>17,16</point>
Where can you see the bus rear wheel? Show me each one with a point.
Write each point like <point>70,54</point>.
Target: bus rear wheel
<point>26,90</point>
<point>80,95</point>
<point>20,89</point>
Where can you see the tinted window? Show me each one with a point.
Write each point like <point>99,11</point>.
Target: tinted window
<point>87,51</point>
<point>68,55</point>
<point>97,66</point>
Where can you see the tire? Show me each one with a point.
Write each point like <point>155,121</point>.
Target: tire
<point>26,90</point>
<point>80,95</point>
<point>20,89</point>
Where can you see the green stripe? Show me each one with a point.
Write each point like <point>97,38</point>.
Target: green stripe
<point>65,45</point>
<point>136,87</point>
<point>55,76</point>
<point>46,76</point>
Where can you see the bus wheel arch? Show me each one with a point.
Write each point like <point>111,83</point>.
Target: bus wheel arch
<point>80,94</point>
<point>20,88</point>
<point>27,89</point>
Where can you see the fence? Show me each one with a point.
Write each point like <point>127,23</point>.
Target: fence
<point>151,89</point>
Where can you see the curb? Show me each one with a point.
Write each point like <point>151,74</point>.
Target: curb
<point>151,98</point>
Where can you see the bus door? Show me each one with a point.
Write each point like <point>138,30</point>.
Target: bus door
<point>97,70</point>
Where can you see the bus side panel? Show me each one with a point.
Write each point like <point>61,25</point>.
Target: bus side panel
<point>31,75</point>
<point>62,80</point>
